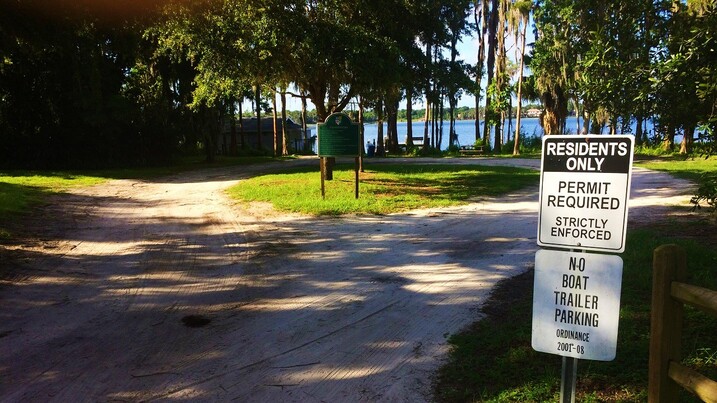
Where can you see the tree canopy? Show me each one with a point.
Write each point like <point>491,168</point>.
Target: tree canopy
<point>625,62</point>
<point>92,84</point>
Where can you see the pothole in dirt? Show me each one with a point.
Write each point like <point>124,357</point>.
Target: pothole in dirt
<point>388,280</point>
<point>196,321</point>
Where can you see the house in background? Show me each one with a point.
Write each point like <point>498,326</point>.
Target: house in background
<point>533,113</point>
<point>298,142</point>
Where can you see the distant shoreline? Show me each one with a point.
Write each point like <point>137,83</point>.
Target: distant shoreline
<point>446,120</point>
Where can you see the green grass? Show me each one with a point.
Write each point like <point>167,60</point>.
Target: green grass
<point>21,191</point>
<point>185,164</point>
<point>690,168</point>
<point>494,362</point>
<point>383,188</point>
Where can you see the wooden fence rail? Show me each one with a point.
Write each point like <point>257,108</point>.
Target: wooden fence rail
<point>669,294</point>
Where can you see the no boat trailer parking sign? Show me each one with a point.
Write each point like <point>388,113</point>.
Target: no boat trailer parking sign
<point>584,189</point>
<point>576,304</point>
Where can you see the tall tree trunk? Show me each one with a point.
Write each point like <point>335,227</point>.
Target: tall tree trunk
<point>687,140</point>
<point>555,108</point>
<point>393,98</point>
<point>284,140</point>
<point>500,73</point>
<point>668,142</point>
<point>479,15</point>
<point>438,102</point>
<point>477,118</point>
<point>242,140</point>
<point>523,39</point>
<point>222,111</point>
<point>452,96</point>
<point>257,97</point>
<point>549,122</point>
<point>646,46</point>
<point>426,122</point>
<point>304,124</point>
<point>453,136</point>
<point>586,119</point>
<point>209,144</point>
<point>492,44</point>
<point>613,124</point>
<point>380,149</point>
<point>361,132</point>
<point>409,117</point>
<point>516,138</point>
<point>427,115</point>
<point>576,106</point>
<point>509,113</point>
<point>596,125</point>
<point>394,125</point>
<point>439,143</point>
<point>233,122</point>
<point>434,125</point>
<point>638,129</point>
<point>275,121</point>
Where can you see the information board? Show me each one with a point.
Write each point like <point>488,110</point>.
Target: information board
<point>338,136</point>
<point>584,190</point>
<point>576,304</point>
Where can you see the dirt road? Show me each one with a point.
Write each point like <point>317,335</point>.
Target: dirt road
<point>164,290</point>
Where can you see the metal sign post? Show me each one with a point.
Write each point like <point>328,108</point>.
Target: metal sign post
<point>568,379</point>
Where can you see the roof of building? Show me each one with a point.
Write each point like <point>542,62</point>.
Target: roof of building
<point>267,124</point>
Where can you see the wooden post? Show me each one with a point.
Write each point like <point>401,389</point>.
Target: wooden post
<point>669,264</point>
<point>329,163</point>
<point>322,168</point>
<point>358,166</point>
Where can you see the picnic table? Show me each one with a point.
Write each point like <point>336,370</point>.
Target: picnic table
<point>471,150</point>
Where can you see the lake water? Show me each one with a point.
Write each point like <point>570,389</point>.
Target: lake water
<point>465,129</point>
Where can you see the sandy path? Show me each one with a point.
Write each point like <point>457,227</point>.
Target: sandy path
<point>300,309</point>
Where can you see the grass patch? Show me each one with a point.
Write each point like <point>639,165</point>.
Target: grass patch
<point>185,164</point>
<point>494,362</point>
<point>691,168</point>
<point>20,191</point>
<point>384,188</point>
<point>701,170</point>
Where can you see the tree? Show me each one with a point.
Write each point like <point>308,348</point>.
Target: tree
<point>610,53</point>
<point>520,15</point>
<point>684,84</point>
<point>456,79</point>
<point>553,59</point>
<point>144,89</point>
<point>500,86</point>
<point>80,91</point>
<point>196,33</point>
<point>480,13</point>
<point>492,45</point>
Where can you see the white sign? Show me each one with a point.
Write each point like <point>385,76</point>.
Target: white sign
<point>576,304</point>
<point>584,189</point>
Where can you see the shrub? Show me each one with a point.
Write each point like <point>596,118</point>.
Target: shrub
<point>706,192</point>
